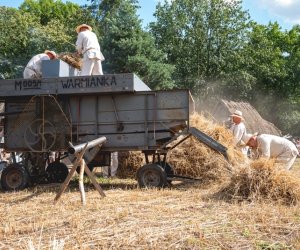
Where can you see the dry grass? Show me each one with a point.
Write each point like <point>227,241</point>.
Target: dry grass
<point>187,216</point>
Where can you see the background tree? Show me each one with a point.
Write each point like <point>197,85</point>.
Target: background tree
<point>36,26</point>
<point>58,21</point>
<point>202,40</point>
<point>127,47</point>
<point>15,30</point>
<point>272,60</point>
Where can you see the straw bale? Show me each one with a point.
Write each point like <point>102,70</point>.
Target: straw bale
<point>72,59</point>
<point>263,179</point>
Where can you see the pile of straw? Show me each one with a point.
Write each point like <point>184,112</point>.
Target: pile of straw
<point>192,158</point>
<point>72,59</point>
<point>262,179</point>
<point>129,163</point>
<point>247,180</point>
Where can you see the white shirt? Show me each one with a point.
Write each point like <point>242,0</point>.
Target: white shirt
<point>35,63</point>
<point>274,146</point>
<point>87,44</point>
<point>238,131</point>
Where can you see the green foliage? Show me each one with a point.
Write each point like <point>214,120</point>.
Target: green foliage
<point>127,48</point>
<point>15,32</point>
<point>47,10</point>
<point>31,29</point>
<point>51,37</point>
<point>102,9</point>
<point>217,52</point>
<point>201,39</point>
<point>68,15</point>
<point>15,37</point>
<point>266,61</point>
<point>273,58</point>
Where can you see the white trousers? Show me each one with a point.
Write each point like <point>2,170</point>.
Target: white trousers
<point>288,162</point>
<point>288,158</point>
<point>113,166</point>
<point>91,66</point>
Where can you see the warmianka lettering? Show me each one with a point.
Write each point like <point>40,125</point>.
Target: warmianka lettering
<point>89,82</point>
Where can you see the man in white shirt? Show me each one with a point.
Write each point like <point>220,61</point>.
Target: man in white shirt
<point>238,130</point>
<point>272,146</point>
<point>33,68</point>
<point>87,44</point>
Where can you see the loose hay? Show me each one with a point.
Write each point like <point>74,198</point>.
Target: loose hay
<point>262,179</point>
<point>247,181</point>
<point>192,158</point>
<point>195,160</point>
<point>72,59</point>
<point>129,163</point>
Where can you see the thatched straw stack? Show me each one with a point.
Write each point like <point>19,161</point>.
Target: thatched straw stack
<point>72,59</point>
<point>262,179</point>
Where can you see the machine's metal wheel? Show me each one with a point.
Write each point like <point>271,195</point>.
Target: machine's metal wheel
<point>152,175</point>
<point>57,172</point>
<point>14,177</point>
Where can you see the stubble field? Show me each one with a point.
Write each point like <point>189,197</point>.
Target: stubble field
<point>187,215</point>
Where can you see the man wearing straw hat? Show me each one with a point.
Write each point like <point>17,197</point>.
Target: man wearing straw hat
<point>238,129</point>
<point>272,146</point>
<point>33,68</point>
<point>88,46</point>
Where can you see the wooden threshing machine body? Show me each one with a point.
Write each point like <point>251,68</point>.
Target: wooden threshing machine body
<point>43,115</point>
<point>50,114</point>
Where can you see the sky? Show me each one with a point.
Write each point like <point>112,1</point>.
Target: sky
<point>285,12</point>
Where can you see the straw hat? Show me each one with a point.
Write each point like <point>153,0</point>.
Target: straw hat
<point>237,113</point>
<point>246,137</point>
<point>81,26</point>
<point>50,52</point>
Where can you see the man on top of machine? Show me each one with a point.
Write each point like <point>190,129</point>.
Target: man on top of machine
<point>33,68</point>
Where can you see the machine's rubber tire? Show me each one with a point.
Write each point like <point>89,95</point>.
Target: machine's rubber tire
<point>152,175</point>
<point>14,177</point>
<point>57,172</point>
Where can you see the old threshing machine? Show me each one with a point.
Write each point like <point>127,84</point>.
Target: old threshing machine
<point>47,115</point>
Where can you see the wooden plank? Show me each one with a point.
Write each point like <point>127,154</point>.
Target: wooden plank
<point>110,83</point>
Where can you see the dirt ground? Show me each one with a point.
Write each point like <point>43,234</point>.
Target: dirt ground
<point>187,215</point>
